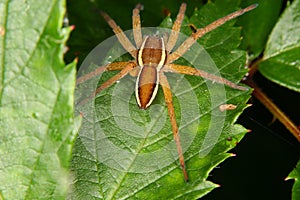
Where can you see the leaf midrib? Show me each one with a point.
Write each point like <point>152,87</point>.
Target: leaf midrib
<point>286,50</point>
<point>140,147</point>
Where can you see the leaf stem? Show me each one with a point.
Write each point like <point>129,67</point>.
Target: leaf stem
<point>272,107</point>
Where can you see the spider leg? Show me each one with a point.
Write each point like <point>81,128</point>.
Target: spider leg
<point>128,46</point>
<point>126,69</point>
<point>180,69</point>
<point>168,98</point>
<point>176,28</point>
<point>202,31</point>
<point>110,67</point>
<point>136,25</point>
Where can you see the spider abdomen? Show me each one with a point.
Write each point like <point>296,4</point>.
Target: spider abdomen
<point>147,86</point>
<point>151,58</point>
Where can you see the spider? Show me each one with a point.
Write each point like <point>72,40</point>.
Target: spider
<point>152,57</point>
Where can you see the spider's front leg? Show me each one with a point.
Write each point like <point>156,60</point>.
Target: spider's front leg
<point>125,42</point>
<point>176,28</point>
<point>168,98</point>
<point>136,25</point>
<point>202,31</point>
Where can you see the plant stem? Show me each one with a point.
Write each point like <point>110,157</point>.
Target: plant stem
<point>273,108</point>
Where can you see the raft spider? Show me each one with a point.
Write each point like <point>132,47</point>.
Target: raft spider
<point>152,57</point>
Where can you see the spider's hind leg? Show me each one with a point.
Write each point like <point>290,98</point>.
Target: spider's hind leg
<point>168,98</point>
<point>181,69</point>
<point>109,67</point>
<point>126,68</point>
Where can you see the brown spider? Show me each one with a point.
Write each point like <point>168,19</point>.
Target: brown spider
<point>153,56</point>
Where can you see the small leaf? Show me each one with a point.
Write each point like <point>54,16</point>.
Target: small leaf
<point>295,174</point>
<point>281,63</point>
<point>36,99</point>
<point>123,152</point>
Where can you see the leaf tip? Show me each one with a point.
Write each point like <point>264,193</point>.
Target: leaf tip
<point>72,27</point>
<point>232,154</point>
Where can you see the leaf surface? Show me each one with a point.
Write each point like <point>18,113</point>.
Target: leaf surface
<point>281,63</point>
<point>295,174</point>
<point>36,100</point>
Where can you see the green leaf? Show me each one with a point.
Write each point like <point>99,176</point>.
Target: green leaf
<point>36,100</point>
<point>281,63</point>
<point>258,24</point>
<point>123,152</point>
<point>295,174</point>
